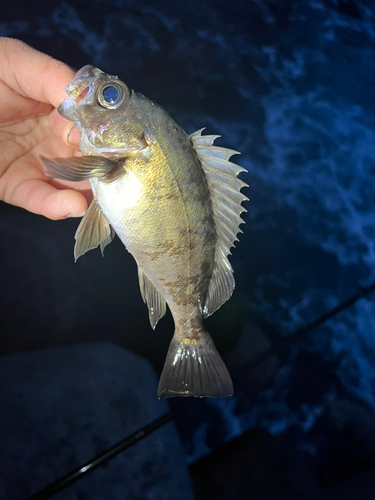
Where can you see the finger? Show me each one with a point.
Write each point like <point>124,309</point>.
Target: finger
<point>71,135</point>
<point>41,198</point>
<point>33,74</point>
<point>15,109</point>
<point>83,187</point>
<point>60,128</point>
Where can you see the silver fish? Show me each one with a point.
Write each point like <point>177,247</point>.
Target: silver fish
<point>174,200</point>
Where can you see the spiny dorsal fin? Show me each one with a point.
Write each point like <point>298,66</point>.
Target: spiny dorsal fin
<point>155,302</point>
<point>225,187</point>
<point>94,230</point>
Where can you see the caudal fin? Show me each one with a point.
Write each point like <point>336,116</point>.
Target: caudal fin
<point>194,368</point>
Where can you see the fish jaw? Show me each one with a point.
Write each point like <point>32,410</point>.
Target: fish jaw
<point>68,110</point>
<point>84,79</point>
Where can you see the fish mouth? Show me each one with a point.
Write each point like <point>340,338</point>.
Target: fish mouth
<point>80,91</point>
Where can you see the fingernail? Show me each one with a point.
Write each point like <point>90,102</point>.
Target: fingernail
<point>70,131</point>
<point>73,139</point>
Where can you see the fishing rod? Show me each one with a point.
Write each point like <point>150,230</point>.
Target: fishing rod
<point>285,342</point>
<point>72,476</point>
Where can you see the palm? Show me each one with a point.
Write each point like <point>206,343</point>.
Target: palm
<point>28,129</point>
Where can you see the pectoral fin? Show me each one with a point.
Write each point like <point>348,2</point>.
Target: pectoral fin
<point>78,168</point>
<point>94,230</point>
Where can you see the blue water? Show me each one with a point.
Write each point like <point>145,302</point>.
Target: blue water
<point>291,86</point>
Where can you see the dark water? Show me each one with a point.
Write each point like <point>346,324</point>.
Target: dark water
<point>291,86</point>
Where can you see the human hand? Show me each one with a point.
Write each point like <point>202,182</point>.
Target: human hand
<point>32,85</point>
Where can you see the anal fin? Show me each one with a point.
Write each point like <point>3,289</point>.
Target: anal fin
<point>155,302</point>
<point>94,230</point>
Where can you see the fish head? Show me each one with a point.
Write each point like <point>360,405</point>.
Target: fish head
<point>105,111</point>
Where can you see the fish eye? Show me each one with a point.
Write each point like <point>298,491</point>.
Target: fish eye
<point>111,95</point>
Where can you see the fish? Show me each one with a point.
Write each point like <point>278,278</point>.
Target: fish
<point>175,202</point>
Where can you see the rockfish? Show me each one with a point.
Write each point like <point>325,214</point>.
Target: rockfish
<point>174,200</point>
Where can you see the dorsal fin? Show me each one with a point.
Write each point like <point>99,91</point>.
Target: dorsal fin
<point>155,302</point>
<point>224,187</point>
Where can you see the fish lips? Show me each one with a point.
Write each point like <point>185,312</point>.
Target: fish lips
<point>68,110</point>
<point>80,91</point>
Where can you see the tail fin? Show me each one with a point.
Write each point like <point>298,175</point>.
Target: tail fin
<point>194,368</point>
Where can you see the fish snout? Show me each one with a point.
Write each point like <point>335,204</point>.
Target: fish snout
<point>80,91</point>
<point>85,77</point>
<point>68,110</point>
